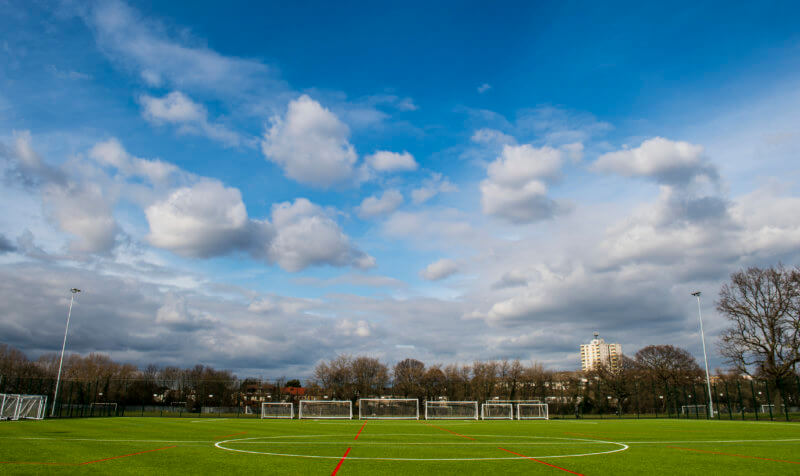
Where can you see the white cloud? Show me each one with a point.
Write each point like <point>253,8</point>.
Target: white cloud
<point>385,161</point>
<point>373,206</point>
<point>484,87</point>
<point>439,270</point>
<point>203,220</point>
<point>306,236</point>
<point>112,153</point>
<point>178,109</point>
<point>175,107</point>
<point>515,188</point>
<point>310,144</point>
<point>431,187</point>
<point>359,328</point>
<point>492,137</point>
<point>144,46</point>
<point>84,211</point>
<point>663,160</point>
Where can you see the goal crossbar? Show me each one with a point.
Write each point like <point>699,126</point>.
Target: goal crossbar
<point>388,409</point>
<point>325,409</point>
<point>447,410</point>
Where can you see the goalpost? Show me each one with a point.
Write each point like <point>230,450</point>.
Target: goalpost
<point>532,411</point>
<point>277,410</point>
<point>515,404</point>
<point>444,410</point>
<point>694,410</point>
<point>325,409</point>
<point>103,409</point>
<point>497,411</point>
<point>14,406</point>
<point>388,408</point>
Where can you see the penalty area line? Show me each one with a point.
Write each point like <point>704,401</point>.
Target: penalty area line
<point>336,470</point>
<point>538,461</point>
<point>733,454</point>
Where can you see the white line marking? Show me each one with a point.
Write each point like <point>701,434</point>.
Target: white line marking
<point>622,447</point>
<point>206,420</point>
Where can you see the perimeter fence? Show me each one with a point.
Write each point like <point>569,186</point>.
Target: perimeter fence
<point>732,398</point>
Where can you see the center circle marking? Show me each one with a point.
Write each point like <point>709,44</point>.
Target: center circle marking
<point>220,445</point>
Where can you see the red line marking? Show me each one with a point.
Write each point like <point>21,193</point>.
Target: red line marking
<point>340,462</point>
<point>125,456</point>
<point>733,454</point>
<point>232,434</point>
<point>539,461</point>
<point>449,431</point>
<point>362,429</point>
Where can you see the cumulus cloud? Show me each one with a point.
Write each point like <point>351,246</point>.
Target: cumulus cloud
<point>440,269</point>
<point>484,87</point>
<point>306,236</point>
<point>206,219</point>
<point>515,188</point>
<point>178,109</point>
<point>665,161</point>
<point>385,161</point>
<point>374,206</point>
<point>310,144</point>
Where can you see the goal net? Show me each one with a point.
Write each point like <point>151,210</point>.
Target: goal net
<point>277,410</point>
<point>388,408</point>
<point>769,407</point>
<point>532,411</point>
<point>443,410</point>
<point>694,410</point>
<point>515,405</point>
<point>14,407</point>
<point>325,409</point>
<point>103,409</point>
<point>497,411</point>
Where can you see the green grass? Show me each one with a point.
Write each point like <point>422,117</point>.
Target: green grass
<point>173,445</point>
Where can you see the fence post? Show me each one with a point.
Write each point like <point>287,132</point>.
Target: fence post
<point>741,403</point>
<point>755,401</point>
<point>769,400</point>
<point>783,399</point>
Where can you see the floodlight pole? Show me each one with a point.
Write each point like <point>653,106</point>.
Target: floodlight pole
<point>705,357</point>
<point>74,291</point>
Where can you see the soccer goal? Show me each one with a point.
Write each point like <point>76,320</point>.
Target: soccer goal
<point>767,407</point>
<point>444,410</point>
<point>497,411</point>
<point>694,410</point>
<point>325,409</point>
<point>277,410</point>
<point>532,411</point>
<point>14,407</point>
<point>103,409</point>
<point>388,408</point>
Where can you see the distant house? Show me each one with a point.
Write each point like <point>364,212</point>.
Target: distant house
<point>294,391</point>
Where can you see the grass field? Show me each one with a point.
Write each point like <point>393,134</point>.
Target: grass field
<point>237,446</point>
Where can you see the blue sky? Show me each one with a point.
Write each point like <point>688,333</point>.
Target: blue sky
<point>261,187</point>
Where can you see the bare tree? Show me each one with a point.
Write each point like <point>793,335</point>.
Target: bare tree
<point>434,382</point>
<point>408,375</point>
<point>370,376</point>
<point>668,364</point>
<point>336,377</point>
<point>763,307</point>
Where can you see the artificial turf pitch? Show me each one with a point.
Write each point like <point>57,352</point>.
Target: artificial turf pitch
<point>237,446</point>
